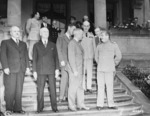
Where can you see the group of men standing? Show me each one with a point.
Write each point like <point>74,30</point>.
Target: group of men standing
<point>73,54</point>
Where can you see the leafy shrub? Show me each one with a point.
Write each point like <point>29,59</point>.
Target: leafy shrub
<point>138,78</point>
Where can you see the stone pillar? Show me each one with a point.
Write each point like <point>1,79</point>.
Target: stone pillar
<point>14,12</point>
<point>120,11</point>
<point>100,13</point>
<point>146,10</point>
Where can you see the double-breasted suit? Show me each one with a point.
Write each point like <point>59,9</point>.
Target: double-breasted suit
<point>62,47</point>
<point>45,62</point>
<point>14,57</point>
<point>76,62</point>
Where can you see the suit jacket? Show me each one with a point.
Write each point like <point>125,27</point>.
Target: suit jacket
<point>62,47</point>
<point>48,26</point>
<point>97,41</point>
<point>13,56</point>
<point>45,59</point>
<point>76,55</point>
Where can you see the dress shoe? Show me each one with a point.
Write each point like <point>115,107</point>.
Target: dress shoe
<point>55,110</point>
<point>99,108</point>
<point>113,108</point>
<point>39,111</point>
<point>72,109</point>
<point>8,112</point>
<point>60,101</point>
<point>65,99</point>
<point>89,91</point>
<point>83,108</point>
<point>20,112</point>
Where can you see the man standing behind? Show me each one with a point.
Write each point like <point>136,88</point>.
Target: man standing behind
<point>14,59</point>
<point>98,33</point>
<point>88,46</point>
<point>62,47</point>
<point>45,66</point>
<point>75,56</point>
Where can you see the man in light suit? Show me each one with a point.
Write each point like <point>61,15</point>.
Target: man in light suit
<point>14,59</point>
<point>45,66</point>
<point>75,56</point>
<point>62,47</point>
<point>88,46</point>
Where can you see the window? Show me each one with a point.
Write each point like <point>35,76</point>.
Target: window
<point>3,8</point>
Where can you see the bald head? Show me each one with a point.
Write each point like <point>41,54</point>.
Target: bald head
<point>86,26</point>
<point>78,34</point>
<point>44,33</point>
<point>15,32</point>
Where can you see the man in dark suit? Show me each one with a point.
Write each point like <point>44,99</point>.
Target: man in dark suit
<point>14,59</point>
<point>54,31</point>
<point>45,23</point>
<point>45,66</point>
<point>98,32</point>
<point>62,47</point>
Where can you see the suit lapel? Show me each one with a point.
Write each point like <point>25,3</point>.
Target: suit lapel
<point>66,38</point>
<point>14,44</point>
<point>79,45</point>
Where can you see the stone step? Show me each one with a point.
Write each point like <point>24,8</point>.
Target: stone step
<point>33,83</point>
<point>125,110</point>
<point>31,87</point>
<point>29,78</point>
<point>87,95</point>
<point>89,101</point>
<point>34,91</point>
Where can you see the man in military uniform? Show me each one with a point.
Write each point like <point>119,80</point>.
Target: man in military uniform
<point>54,31</point>
<point>88,46</point>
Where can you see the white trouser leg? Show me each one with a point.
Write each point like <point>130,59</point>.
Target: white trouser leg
<point>101,88</point>
<point>109,80</point>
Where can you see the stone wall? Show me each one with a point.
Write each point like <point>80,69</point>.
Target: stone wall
<point>131,45</point>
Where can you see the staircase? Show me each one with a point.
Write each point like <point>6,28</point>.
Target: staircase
<point>124,102</point>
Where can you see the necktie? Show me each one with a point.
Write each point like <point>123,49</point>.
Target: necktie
<point>86,34</point>
<point>45,43</point>
<point>17,41</point>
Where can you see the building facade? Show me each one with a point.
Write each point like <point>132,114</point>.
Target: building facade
<point>16,12</point>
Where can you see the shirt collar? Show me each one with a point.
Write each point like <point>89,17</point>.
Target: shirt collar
<point>67,35</point>
<point>14,39</point>
<point>43,40</point>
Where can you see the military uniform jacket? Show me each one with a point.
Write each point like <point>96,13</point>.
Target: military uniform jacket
<point>107,55</point>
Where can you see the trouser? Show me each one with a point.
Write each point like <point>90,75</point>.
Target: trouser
<point>30,45</point>
<point>102,79</point>
<point>64,84</point>
<point>41,80</point>
<point>13,90</point>
<point>88,68</point>
<point>75,91</point>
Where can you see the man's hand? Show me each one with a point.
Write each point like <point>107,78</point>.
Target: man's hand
<point>7,71</point>
<point>35,75</point>
<point>57,73</point>
<point>27,71</point>
<point>75,73</point>
<point>63,63</point>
